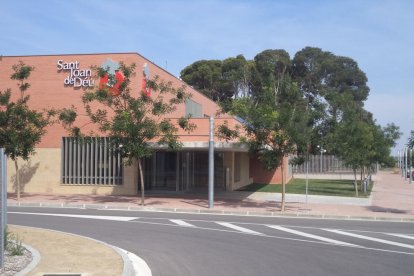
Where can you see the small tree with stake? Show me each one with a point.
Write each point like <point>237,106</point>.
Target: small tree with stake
<point>272,124</point>
<point>133,124</point>
<point>21,128</point>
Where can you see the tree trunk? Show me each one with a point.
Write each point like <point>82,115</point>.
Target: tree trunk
<point>16,165</point>
<point>362,178</point>
<point>283,186</point>
<point>142,182</point>
<point>355,183</point>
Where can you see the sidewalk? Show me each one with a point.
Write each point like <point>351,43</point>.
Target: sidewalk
<point>391,199</point>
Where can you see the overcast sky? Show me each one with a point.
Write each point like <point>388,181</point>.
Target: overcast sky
<point>378,34</point>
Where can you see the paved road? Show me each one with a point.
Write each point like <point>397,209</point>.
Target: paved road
<point>194,244</point>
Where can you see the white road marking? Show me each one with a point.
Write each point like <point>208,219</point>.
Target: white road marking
<point>181,222</point>
<point>116,218</point>
<point>370,238</point>
<point>401,236</point>
<point>300,233</point>
<point>230,225</point>
<point>239,228</point>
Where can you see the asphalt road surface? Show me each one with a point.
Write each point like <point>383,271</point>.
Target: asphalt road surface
<point>195,244</point>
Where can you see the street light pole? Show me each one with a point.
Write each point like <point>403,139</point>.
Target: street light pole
<point>406,163</point>
<point>321,162</point>
<point>410,162</point>
<point>211,165</point>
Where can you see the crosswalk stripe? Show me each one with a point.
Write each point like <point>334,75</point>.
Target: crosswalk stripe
<point>300,233</point>
<point>401,236</point>
<point>238,228</point>
<point>369,238</point>
<point>181,222</point>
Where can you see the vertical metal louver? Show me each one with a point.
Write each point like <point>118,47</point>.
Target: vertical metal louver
<point>90,161</point>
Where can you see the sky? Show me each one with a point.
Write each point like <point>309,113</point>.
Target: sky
<point>378,34</point>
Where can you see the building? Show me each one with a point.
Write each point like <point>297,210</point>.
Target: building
<point>63,166</point>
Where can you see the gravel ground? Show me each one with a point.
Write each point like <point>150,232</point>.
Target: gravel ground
<point>14,264</point>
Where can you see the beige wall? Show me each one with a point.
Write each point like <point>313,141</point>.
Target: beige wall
<point>229,166</point>
<point>42,175</point>
<point>229,159</point>
<point>244,171</point>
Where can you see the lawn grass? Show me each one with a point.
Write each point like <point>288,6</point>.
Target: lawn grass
<point>315,187</point>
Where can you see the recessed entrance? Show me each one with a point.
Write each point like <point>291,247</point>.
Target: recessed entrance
<point>182,171</point>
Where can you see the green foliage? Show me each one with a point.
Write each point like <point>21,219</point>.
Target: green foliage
<point>410,142</point>
<point>226,133</point>
<point>330,90</point>
<point>204,75</point>
<point>272,121</point>
<point>6,236</point>
<point>331,85</point>
<point>13,243</point>
<point>21,128</point>
<point>22,73</point>
<point>68,115</point>
<point>184,123</point>
<point>220,80</point>
<point>296,106</point>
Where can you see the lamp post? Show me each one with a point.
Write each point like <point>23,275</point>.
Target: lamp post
<point>410,164</point>
<point>211,165</point>
<point>322,150</point>
<point>406,163</point>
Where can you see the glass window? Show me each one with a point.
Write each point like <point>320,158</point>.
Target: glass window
<point>193,109</point>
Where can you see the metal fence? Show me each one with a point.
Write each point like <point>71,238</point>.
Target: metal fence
<point>322,164</point>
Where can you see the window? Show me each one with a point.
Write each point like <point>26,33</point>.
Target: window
<point>193,108</point>
<point>90,162</point>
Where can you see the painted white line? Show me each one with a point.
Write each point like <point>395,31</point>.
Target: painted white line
<point>239,228</point>
<point>181,222</point>
<point>79,216</point>
<point>300,233</point>
<point>370,238</point>
<point>401,236</point>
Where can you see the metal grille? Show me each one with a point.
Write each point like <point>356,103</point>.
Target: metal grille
<point>90,161</point>
<point>323,164</point>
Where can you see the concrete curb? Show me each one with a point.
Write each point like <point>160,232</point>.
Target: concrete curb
<point>35,261</point>
<point>133,265</point>
<point>128,267</point>
<point>140,267</point>
<point>211,212</point>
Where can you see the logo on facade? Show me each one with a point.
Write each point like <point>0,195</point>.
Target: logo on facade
<point>113,78</point>
<point>77,77</point>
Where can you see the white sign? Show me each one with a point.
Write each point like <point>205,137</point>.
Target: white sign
<point>77,77</point>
